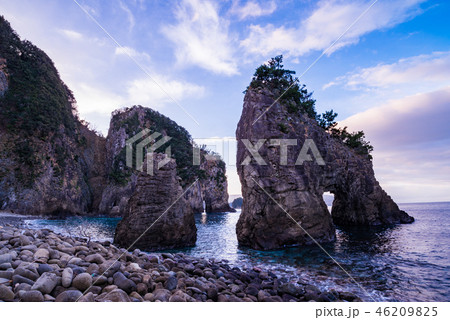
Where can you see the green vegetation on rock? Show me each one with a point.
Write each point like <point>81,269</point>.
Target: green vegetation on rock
<point>181,142</point>
<point>37,102</point>
<point>297,99</point>
<point>37,109</point>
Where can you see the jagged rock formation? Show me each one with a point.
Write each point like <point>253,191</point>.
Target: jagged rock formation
<point>156,216</point>
<point>194,198</point>
<point>298,188</point>
<point>92,159</point>
<point>210,188</point>
<point>42,145</point>
<point>214,187</point>
<point>121,180</point>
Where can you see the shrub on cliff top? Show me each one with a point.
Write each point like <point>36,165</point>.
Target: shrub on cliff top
<point>297,99</point>
<point>273,76</point>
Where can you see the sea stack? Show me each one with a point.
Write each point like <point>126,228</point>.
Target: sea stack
<point>282,187</point>
<point>156,216</point>
<point>214,186</point>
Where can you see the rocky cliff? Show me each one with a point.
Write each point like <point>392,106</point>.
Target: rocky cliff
<point>282,190</point>
<point>211,187</point>
<point>156,217</point>
<point>44,149</point>
<point>93,159</point>
<point>52,163</point>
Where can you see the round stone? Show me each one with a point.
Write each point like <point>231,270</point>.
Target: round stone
<point>6,293</point>
<point>82,281</point>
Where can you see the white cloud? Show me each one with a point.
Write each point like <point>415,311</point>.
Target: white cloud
<point>326,23</point>
<point>433,67</point>
<point>127,51</point>
<point>411,139</point>
<point>91,98</point>
<point>252,9</point>
<point>130,16</point>
<point>147,93</point>
<point>420,118</point>
<point>71,34</point>
<point>96,102</point>
<point>143,91</point>
<point>202,37</point>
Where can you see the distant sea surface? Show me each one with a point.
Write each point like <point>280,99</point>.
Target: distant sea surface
<point>401,263</point>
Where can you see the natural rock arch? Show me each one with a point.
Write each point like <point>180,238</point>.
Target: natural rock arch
<point>275,195</point>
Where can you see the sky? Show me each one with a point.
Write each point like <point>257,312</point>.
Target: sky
<point>383,66</point>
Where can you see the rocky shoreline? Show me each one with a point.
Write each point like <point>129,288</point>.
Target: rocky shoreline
<point>40,265</point>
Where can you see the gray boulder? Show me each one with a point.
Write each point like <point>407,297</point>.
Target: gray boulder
<point>46,283</point>
<point>6,294</point>
<point>66,278</point>
<point>32,296</point>
<point>69,296</point>
<point>116,295</point>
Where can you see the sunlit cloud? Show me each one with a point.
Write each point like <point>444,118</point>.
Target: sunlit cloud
<point>201,37</point>
<point>130,52</point>
<point>157,93</point>
<point>433,67</point>
<point>71,34</point>
<point>411,139</point>
<point>252,9</point>
<point>327,23</point>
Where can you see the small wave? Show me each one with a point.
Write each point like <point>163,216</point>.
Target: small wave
<point>6,214</point>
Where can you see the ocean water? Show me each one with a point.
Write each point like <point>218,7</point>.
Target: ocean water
<point>94,228</point>
<point>399,263</point>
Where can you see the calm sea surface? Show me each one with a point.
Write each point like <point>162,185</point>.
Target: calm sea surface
<point>401,263</point>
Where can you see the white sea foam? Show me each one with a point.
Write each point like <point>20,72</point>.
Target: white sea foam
<point>7,214</point>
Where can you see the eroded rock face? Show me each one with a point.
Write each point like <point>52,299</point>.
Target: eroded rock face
<point>3,77</point>
<point>157,204</point>
<point>215,187</point>
<point>298,189</point>
<point>93,159</point>
<point>46,154</point>
<point>57,185</point>
<point>121,181</point>
<point>194,198</point>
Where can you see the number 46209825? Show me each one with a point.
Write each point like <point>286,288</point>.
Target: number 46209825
<point>407,311</point>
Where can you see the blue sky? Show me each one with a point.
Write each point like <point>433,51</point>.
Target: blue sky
<point>388,75</point>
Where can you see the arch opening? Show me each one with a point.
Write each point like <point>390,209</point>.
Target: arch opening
<point>328,197</point>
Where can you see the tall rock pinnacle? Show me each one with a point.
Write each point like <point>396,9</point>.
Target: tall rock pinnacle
<point>288,179</point>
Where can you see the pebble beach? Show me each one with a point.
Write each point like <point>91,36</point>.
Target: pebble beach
<point>40,265</point>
